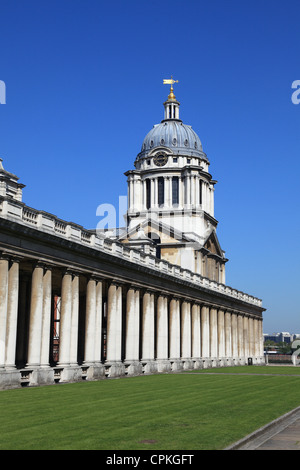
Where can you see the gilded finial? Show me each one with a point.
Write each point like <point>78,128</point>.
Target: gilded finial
<point>170,81</point>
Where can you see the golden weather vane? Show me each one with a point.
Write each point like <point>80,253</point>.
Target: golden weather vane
<point>170,81</point>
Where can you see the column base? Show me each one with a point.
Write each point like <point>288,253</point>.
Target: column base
<point>163,365</point>
<point>133,368</point>
<point>9,379</point>
<point>188,364</point>
<point>67,373</point>
<point>36,375</point>
<point>149,366</point>
<point>198,363</point>
<point>94,371</point>
<point>176,365</point>
<point>114,369</point>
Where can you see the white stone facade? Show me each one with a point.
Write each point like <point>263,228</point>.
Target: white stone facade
<point>75,305</point>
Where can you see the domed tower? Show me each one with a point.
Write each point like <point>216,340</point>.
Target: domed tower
<point>171,197</point>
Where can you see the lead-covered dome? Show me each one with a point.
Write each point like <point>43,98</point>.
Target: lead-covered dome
<point>171,133</point>
<point>178,137</point>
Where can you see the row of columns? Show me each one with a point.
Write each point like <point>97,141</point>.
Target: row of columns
<point>175,329</point>
<point>188,193</point>
<point>143,328</point>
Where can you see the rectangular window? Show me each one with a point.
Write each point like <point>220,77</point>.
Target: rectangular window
<point>175,190</point>
<point>200,191</point>
<point>148,194</point>
<point>161,191</point>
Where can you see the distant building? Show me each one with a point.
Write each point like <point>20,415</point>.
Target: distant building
<point>283,337</point>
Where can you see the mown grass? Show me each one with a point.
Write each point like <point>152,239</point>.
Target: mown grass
<point>159,412</point>
<point>269,370</point>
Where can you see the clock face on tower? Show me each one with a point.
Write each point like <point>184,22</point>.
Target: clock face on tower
<point>160,160</point>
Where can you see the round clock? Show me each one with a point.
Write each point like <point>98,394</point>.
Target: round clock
<point>160,160</point>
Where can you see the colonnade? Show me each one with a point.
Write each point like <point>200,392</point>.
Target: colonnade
<point>193,191</point>
<point>110,327</point>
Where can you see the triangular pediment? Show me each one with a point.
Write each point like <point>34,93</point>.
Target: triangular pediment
<point>163,231</point>
<point>212,245</point>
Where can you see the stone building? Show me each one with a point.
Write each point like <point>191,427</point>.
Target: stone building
<point>78,305</point>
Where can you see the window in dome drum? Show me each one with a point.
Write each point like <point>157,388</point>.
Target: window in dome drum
<point>200,192</point>
<point>148,194</point>
<point>161,192</point>
<point>175,188</point>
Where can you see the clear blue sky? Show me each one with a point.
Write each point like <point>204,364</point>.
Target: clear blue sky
<point>84,86</point>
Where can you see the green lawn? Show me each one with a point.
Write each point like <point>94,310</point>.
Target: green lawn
<point>169,412</point>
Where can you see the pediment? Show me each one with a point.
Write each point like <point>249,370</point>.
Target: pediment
<point>212,245</point>
<point>165,233</point>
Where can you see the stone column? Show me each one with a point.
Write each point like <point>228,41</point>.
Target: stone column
<point>12,314</point>
<point>132,341</point>
<point>3,306</point>
<point>205,336</point>
<point>74,321</point>
<point>93,326</point>
<point>196,336</point>
<point>261,344</point>
<point>192,200</point>
<point>228,343</point>
<point>186,337</point>
<point>246,336</point>
<point>181,192</point>
<point>148,333</point>
<point>174,336</point>
<point>240,325</point>
<point>114,330</point>
<point>251,337</point>
<point>256,338</point>
<point>90,322</point>
<point>35,321</point>
<point>234,336</point>
<point>213,326</point>
<point>162,334</point>
<point>221,334</point>
<point>65,320</point>
<point>152,193</point>
<point>98,327</point>
<point>22,329</point>
<point>167,191</point>
<point>46,320</point>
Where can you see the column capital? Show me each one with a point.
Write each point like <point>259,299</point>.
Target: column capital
<point>5,255</point>
<point>149,291</point>
<point>163,294</point>
<point>115,282</point>
<point>37,263</point>
<point>134,287</point>
<point>67,270</point>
